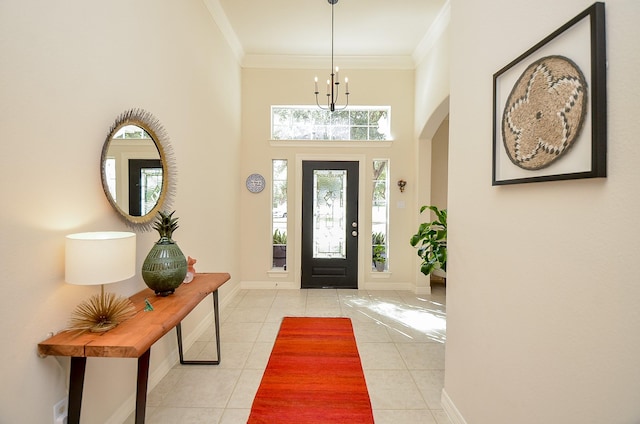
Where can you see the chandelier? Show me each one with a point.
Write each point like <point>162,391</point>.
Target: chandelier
<point>333,83</point>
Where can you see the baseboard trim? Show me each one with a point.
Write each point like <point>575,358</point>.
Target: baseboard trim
<point>367,285</point>
<point>450,409</point>
<point>228,297</point>
<point>423,290</point>
<point>286,285</point>
<point>268,285</point>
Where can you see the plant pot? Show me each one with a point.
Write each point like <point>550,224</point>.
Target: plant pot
<point>378,251</point>
<point>439,272</point>
<point>279,255</point>
<point>164,268</point>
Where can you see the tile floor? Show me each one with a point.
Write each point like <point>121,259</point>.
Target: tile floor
<point>401,340</point>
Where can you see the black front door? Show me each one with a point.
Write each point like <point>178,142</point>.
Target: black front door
<point>329,224</point>
<point>145,185</point>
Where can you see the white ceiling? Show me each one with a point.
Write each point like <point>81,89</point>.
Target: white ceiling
<point>372,33</point>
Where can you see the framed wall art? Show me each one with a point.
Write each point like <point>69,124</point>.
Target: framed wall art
<point>550,106</point>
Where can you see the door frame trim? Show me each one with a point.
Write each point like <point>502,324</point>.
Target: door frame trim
<point>297,251</point>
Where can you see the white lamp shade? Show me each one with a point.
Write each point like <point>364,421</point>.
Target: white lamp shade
<point>100,257</point>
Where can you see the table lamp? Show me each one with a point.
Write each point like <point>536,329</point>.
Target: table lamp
<point>100,258</point>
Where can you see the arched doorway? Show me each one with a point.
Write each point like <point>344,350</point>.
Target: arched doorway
<point>433,170</point>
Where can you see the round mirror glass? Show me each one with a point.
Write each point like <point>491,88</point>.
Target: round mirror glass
<point>135,167</point>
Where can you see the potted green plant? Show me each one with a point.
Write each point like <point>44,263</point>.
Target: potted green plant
<point>378,250</point>
<point>377,238</point>
<point>431,241</point>
<point>378,257</point>
<point>279,249</point>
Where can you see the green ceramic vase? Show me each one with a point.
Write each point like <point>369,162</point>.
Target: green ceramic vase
<point>165,267</point>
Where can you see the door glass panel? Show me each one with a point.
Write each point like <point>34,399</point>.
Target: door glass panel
<point>329,213</point>
<point>150,188</point>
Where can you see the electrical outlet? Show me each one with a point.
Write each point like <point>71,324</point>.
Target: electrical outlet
<point>60,412</point>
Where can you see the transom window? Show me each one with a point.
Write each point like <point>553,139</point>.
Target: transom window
<point>358,123</point>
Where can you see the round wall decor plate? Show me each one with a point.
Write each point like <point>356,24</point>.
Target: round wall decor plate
<point>255,183</point>
<point>545,112</point>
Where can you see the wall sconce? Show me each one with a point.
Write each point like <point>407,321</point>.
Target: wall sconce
<point>401,184</point>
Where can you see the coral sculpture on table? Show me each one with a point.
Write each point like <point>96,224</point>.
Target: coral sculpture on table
<point>191,270</point>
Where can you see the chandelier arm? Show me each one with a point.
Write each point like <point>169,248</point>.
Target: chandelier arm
<point>318,103</point>
<point>342,108</point>
<point>346,104</point>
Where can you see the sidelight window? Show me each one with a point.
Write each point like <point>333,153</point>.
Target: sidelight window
<point>380,216</point>
<point>279,213</point>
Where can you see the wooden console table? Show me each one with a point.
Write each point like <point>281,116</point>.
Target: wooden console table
<point>134,337</point>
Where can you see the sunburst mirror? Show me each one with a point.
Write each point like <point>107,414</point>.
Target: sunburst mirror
<point>138,168</point>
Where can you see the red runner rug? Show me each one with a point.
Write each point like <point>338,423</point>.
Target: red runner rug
<point>314,375</point>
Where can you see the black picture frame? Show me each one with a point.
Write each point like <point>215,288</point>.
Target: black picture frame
<point>582,42</point>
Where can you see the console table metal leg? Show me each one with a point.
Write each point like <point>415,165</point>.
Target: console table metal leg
<point>141,390</point>
<point>217,322</point>
<point>76,383</point>
<point>216,318</point>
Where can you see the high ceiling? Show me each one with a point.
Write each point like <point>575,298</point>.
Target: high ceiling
<point>369,31</point>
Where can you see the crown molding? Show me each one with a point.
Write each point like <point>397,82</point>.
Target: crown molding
<point>220,18</point>
<point>439,26</point>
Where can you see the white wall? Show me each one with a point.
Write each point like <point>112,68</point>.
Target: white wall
<point>431,110</point>
<point>440,166</point>
<point>66,71</point>
<point>432,77</point>
<point>265,87</point>
<point>542,287</point>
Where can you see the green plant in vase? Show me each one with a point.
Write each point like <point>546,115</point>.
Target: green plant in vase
<point>377,238</point>
<point>378,250</point>
<point>279,237</point>
<point>378,257</point>
<point>279,249</point>
<point>165,267</point>
<point>431,241</point>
